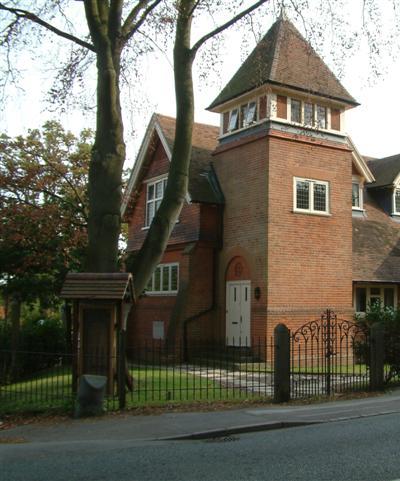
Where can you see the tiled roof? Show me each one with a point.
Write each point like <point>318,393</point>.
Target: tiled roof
<point>285,58</point>
<point>203,186</point>
<point>111,286</point>
<point>376,245</point>
<point>385,170</point>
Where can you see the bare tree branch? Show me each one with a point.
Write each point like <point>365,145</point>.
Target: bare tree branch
<point>26,15</point>
<point>94,20</point>
<point>130,19</point>
<point>226,25</point>
<point>114,19</point>
<point>129,29</point>
<point>195,5</point>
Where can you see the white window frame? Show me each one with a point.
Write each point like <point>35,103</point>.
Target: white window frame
<point>315,115</point>
<point>235,111</point>
<point>153,182</point>
<point>368,288</point>
<point>290,99</point>
<point>161,292</point>
<point>243,121</point>
<point>311,210</point>
<point>239,120</point>
<point>357,180</point>
<point>394,211</point>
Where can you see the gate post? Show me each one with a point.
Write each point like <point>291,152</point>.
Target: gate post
<point>376,357</point>
<point>281,364</point>
<point>121,372</point>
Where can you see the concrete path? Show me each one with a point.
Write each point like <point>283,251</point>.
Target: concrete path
<point>149,427</point>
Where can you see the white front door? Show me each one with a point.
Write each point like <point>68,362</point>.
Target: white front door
<point>238,313</point>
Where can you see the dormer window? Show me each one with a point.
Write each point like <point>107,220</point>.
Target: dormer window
<point>396,201</point>
<point>356,194</point>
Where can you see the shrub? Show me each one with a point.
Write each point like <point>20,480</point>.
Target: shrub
<point>41,343</point>
<point>390,319</point>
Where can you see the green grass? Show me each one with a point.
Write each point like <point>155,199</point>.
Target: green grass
<point>52,390</point>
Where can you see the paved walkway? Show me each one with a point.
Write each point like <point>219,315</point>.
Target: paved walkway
<point>259,382</point>
<point>150,427</point>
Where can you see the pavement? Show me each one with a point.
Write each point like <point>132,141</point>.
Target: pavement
<point>197,425</point>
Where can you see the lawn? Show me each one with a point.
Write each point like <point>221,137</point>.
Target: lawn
<point>52,390</point>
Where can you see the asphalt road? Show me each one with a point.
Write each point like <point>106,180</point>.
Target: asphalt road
<point>357,450</point>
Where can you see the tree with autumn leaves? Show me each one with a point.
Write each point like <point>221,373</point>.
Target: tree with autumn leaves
<point>43,212</point>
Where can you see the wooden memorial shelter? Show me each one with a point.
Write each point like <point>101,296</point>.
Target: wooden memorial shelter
<point>100,306</point>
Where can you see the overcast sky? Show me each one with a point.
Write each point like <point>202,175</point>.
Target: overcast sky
<point>372,125</point>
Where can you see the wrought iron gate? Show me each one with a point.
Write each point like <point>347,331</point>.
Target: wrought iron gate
<point>328,356</point>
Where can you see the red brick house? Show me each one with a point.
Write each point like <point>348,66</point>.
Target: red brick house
<point>283,219</point>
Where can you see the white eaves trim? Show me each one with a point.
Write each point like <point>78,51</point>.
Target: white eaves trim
<point>360,162</point>
<point>153,126</point>
<point>396,181</point>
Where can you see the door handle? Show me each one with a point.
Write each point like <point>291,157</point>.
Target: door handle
<point>241,320</point>
<point>235,323</point>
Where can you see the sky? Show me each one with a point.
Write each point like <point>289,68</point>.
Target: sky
<point>373,125</point>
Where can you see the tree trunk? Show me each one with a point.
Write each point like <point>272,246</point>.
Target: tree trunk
<point>108,156</point>
<point>166,216</point>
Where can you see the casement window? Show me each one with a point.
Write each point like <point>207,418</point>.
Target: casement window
<point>356,194</point>
<point>366,296</point>
<point>311,196</point>
<point>155,194</point>
<point>295,111</point>
<point>165,280</point>
<point>233,120</point>
<point>248,114</point>
<point>311,115</point>
<point>308,114</point>
<point>396,201</point>
<point>321,117</point>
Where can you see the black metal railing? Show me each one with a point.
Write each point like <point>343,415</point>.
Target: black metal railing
<point>155,374</point>
<point>327,356</point>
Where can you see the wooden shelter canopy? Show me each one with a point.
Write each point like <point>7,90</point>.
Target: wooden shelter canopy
<point>107,286</point>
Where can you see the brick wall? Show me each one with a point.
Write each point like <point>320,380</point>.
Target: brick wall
<point>193,297</point>
<point>302,263</point>
<point>242,173</point>
<point>186,230</point>
<point>309,256</point>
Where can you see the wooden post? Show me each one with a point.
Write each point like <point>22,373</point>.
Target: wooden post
<point>377,351</point>
<point>121,368</point>
<point>282,364</point>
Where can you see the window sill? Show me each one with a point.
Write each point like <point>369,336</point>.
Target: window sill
<point>147,227</point>
<point>308,212</point>
<point>161,294</point>
<point>241,129</point>
<point>358,209</point>
<point>308,127</point>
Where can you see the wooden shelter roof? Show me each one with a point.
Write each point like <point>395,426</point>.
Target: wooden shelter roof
<point>108,286</point>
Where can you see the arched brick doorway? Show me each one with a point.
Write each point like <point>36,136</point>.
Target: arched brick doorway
<point>238,303</point>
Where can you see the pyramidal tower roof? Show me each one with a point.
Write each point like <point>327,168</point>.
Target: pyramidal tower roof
<point>284,58</point>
